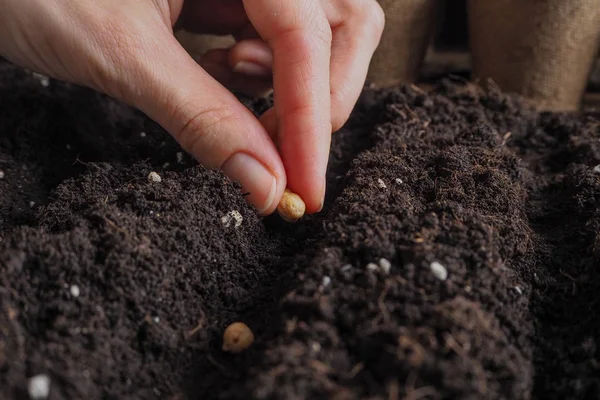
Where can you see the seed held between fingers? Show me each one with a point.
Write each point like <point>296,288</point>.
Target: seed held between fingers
<point>291,207</point>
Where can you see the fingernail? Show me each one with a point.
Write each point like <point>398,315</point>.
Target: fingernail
<point>252,69</point>
<point>255,179</point>
<point>323,195</point>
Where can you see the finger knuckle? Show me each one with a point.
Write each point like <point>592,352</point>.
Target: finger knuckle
<point>323,34</point>
<point>366,14</point>
<point>201,131</point>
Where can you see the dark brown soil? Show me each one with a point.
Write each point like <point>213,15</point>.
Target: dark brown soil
<point>504,197</point>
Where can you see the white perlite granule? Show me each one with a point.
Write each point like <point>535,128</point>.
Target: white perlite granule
<point>381,183</point>
<point>518,289</point>
<point>75,291</point>
<point>438,270</point>
<point>154,177</point>
<point>385,265</point>
<point>372,267</point>
<point>43,79</point>
<point>232,216</point>
<point>38,387</point>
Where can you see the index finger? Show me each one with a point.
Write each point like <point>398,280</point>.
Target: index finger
<point>299,36</point>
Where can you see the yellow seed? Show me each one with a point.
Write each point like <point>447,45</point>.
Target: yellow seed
<point>291,207</point>
<point>237,338</point>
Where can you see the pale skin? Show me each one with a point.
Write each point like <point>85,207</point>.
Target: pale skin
<point>314,53</point>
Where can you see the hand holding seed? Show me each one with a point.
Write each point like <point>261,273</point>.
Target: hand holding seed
<point>321,51</point>
<point>291,207</point>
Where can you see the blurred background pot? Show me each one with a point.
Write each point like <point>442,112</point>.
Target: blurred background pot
<point>408,32</point>
<point>541,49</point>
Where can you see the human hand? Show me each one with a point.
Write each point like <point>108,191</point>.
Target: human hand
<point>319,50</point>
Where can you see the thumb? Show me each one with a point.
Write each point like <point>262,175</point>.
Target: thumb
<point>207,120</point>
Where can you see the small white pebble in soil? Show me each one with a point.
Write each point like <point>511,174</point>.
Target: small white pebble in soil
<point>179,157</point>
<point>438,270</point>
<point>154,177</point>
<point>597,169</point>
<point>326,281</point>
<point>38,387</point>
<point>142,134</point>
<point>381,184</point>
<point>346,267</point>
<point>232,216</point>
<point>372,267</point>
<point>31,204</point>
<point>43,79</point>
<point>385,265</point>
<point>156,320</point>
<point>74,291</point>
<point>1,174</point>
<point>518,290</point>
<point>399,181</point>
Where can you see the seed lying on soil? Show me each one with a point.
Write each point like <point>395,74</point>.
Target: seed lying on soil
<point>154,177</point>
<point>237,338</point>
<point>291,207</point>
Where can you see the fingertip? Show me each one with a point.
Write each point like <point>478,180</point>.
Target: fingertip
<point>253,50</point>
<point>312,194</point>
<point>262,185</point>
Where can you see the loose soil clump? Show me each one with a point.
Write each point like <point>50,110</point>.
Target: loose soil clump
<point>456,256</point>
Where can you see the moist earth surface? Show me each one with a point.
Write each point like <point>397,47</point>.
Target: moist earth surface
<point>456,257</point>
